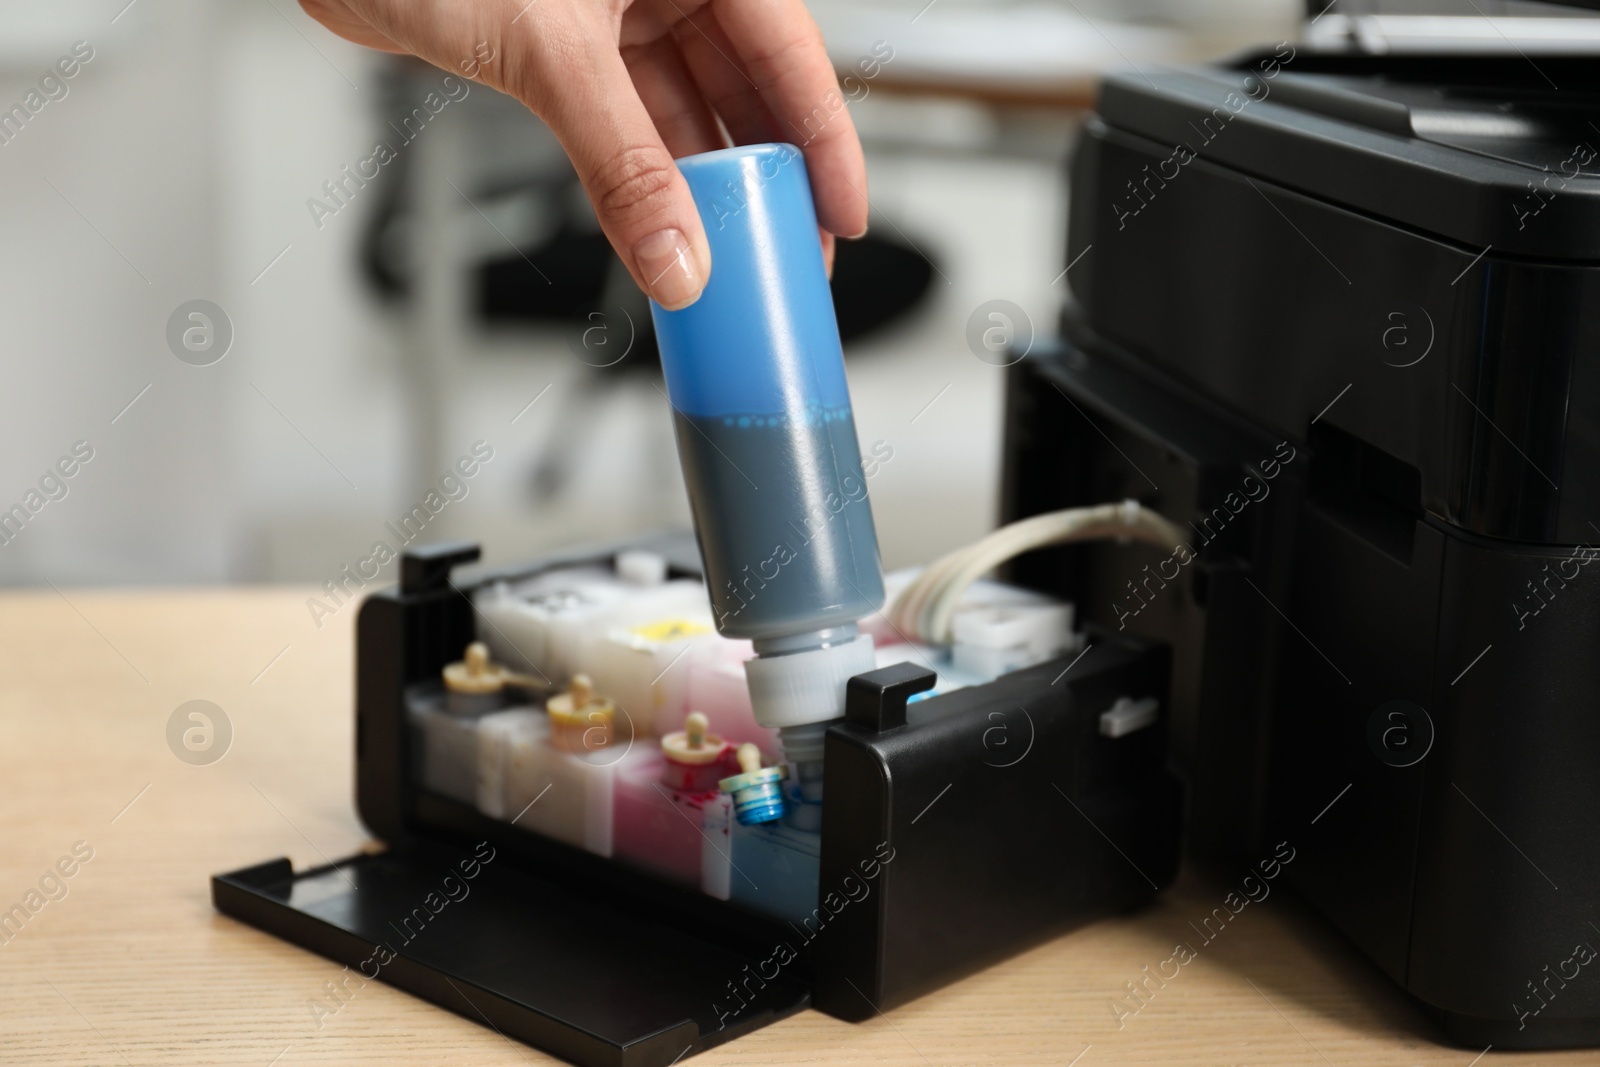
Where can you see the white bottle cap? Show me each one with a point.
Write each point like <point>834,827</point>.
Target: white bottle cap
<point>806,687</point>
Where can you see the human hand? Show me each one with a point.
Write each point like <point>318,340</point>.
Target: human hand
<point>627,85</point>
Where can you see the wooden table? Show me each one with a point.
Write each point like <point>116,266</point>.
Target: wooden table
<point>133,966</point>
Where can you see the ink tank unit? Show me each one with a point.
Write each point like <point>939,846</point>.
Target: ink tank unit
<point>618,907</point>
<point>696,785</point>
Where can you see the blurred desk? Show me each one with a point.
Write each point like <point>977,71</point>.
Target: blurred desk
<point>1002,55</point>
<point>133,966</point>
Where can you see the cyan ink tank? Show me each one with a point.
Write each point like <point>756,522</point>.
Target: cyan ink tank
<point>767,440</point>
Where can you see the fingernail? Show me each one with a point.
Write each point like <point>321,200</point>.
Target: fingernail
<point>672,276</point>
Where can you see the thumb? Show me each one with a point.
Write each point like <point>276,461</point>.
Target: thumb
<point>642,201</point>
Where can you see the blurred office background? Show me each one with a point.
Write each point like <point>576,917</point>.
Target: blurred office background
<point>372,347</point>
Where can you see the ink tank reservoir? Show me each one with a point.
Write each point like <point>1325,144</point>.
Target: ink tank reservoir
<point>767,440</point>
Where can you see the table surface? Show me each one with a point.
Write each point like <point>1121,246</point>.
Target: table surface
<point>133,966</point>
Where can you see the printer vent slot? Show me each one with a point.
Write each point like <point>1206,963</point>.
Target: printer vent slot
<point>1372,494</point>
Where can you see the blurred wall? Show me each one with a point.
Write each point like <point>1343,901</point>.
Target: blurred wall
<point>177,167</point>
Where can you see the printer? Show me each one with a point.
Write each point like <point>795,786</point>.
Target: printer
<point>1336,321</point>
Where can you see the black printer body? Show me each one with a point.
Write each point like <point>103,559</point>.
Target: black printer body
<point>1340,315</point>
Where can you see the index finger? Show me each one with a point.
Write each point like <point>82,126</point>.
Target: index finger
<point>782,48</point>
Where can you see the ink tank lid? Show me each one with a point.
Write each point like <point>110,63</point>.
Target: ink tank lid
<point>764,328</point>
<point>693,746</point>
<point>594,978</point>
